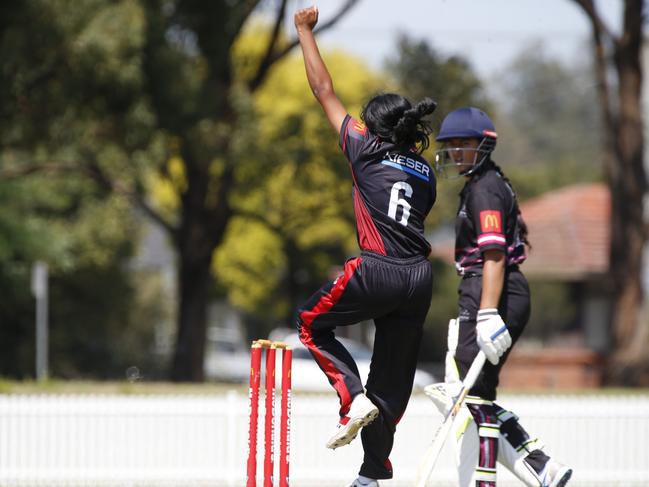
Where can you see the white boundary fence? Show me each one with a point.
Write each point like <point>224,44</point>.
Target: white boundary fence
<point>127,441</point>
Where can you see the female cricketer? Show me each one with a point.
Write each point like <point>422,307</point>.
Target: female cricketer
<point>394,188</point>
<point>494,306</point>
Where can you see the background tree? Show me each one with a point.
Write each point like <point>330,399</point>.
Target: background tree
<point>296,222</point>
<point>85,235</point>
<point>419,70</point>
<point>49,122</point>
<point>129,86</point>
<point>549,128</point>
<point>619,75</point>
<point>162,103</point>
<point>203,113</point>
<point>548,121</point>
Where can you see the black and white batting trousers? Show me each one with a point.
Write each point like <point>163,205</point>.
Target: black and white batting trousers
<point>396,294</point>
<point>491,419</point>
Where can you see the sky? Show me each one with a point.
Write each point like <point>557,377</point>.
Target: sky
<point>488,33</point>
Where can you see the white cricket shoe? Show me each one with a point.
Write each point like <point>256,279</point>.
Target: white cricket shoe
<point>361,413</point>
<point>556,474</point>
<point>364,482</point>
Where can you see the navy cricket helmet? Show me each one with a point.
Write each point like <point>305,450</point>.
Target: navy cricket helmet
<point>465,123</point>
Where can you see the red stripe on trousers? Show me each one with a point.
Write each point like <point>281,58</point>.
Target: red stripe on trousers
<point>325,304</point>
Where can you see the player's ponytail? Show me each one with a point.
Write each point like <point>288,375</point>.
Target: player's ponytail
<point>392,118</point>
<point>522,226</point>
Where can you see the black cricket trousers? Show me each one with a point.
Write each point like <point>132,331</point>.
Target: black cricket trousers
<point>514,309</point>
<point>396,294</point>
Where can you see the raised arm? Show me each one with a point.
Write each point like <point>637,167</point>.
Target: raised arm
<point>316,71</point>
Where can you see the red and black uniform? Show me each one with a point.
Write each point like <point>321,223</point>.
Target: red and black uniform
<point>391,283</point>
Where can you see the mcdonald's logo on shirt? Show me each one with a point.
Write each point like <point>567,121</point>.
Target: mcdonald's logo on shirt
<point>490,221</point>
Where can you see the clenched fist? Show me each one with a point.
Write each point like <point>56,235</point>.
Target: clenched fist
<point>306,18</point>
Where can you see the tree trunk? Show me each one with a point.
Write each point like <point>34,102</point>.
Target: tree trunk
<point>623,153</point>
<point>205,213</point>
<point>629,187</point>
<point>204,134</point>
<point>194,249</point>
<point>194,282</point>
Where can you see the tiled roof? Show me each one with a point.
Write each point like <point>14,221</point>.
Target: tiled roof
<point>568,230</point>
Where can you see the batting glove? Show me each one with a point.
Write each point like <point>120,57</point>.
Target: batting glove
<point>492,334</point>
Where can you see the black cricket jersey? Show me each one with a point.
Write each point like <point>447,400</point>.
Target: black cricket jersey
<point>487,219</point>
<point>393,191</point>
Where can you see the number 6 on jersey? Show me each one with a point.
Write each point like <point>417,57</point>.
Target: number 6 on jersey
<point>396,201</point>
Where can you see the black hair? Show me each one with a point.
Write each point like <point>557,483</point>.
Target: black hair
<point>392,118</point>
<point>522,226</point>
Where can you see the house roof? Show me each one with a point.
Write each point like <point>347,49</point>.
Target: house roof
<point>569,232</point>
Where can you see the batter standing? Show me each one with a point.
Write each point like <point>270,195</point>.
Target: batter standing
<point>494,307</point>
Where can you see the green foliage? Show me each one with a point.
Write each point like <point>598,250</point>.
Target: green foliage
<point>551,110</point>
<point>251,264</point>
<point>19,229</point>
<point>297,213</point>
<point>71,94</point>
<point>17,318</point>
<point>536,179</point>
<point>155,100</point>
<point>420,71</point>
<point>65,222</point>
<point>96,314</point>
<point>549,124</point>
<point>99,334</point>
<point>550,130</point>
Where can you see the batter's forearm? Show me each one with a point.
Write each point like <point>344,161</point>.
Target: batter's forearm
<point>493,278</point>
